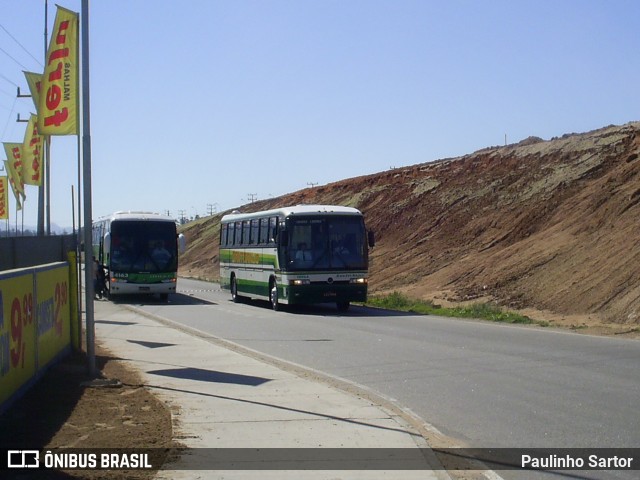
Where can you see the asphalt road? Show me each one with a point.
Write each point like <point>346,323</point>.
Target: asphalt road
<point>489,385</point>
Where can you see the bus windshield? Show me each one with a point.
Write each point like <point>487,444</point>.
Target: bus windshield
<point>326,243</point>
<point>144,246</point>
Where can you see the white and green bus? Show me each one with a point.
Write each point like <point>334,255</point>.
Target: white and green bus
<point>139,251</point>
<point>304,254</point>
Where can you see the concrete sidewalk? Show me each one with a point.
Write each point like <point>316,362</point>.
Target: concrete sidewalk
<point>221,398</point>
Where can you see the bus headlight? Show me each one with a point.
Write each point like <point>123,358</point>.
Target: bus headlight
<point>360,281</point>
<point>299,282</point>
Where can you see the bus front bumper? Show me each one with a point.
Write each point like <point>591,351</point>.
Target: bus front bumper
<point>325,293</point>
<point>126,288</point>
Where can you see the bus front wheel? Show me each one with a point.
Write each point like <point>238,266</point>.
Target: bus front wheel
<point>273,295</point>
<point>234,290</point>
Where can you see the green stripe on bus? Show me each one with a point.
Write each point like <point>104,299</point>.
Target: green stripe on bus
<point>248,258</point>
<point>253,287</point>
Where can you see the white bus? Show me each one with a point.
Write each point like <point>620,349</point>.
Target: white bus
<point>139,251</point>
<point>296,255</point>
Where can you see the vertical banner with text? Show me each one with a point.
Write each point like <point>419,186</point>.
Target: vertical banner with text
<point>34,80</point>
<point>14,161</point>
<point>4,198</point>
<point>32,154</point>
<point>58,103</point>
<point>14,189</point>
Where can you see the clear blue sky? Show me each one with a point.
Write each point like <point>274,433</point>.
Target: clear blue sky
<point>206,102</point>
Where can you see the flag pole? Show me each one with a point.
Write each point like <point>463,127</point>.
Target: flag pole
<point>47,163</point>
<point>45,139</point>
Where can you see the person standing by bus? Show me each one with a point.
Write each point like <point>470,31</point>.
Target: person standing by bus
<point>99,279</point>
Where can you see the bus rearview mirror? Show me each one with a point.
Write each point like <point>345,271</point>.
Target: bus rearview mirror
<point>107,242</point>
<point>182,244</point>
<point>372,239</point>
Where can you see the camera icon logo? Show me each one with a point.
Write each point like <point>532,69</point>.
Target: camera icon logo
<point>23,459</point>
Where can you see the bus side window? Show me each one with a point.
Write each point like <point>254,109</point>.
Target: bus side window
<point>273,229</point>
<point>237,241</point>
<point>230,232</point>
<point>264,231</point>
<point>246,232</point>
<point>255,230</point>
<point>223,234</point>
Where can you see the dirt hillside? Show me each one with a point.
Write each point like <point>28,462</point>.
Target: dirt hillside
<point>549,226</point>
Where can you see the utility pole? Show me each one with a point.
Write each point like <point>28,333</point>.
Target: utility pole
<point>181,214</point>
<point>41,188</point>
<point>312,184</point>
<point>252,197</point>
<point>212,208</point>
<point>86,176</point>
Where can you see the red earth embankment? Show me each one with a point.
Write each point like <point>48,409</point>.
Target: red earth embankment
<point>549,227</point>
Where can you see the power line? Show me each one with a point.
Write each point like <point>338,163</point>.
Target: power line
<point>10,95</point>
<point>8,55</point>
<point>9,119</point>
<point>20,45</point>
<point>10,81</point>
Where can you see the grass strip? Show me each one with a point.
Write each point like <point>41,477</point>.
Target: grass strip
<point>484,310</point>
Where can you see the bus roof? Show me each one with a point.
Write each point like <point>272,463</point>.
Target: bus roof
<point>293,210</point>
<point>135,215</point>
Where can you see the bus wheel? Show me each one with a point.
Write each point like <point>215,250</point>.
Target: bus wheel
<point>273,295</point>
<point>234,290</point>
<point>343,306</point>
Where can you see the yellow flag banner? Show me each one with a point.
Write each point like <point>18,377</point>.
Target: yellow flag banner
<point>14,160</point>
<point>58,103</point>
<point>13,186</point>
<point>34,80</point>
<point>32,153</point>
<point>4,198</point>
